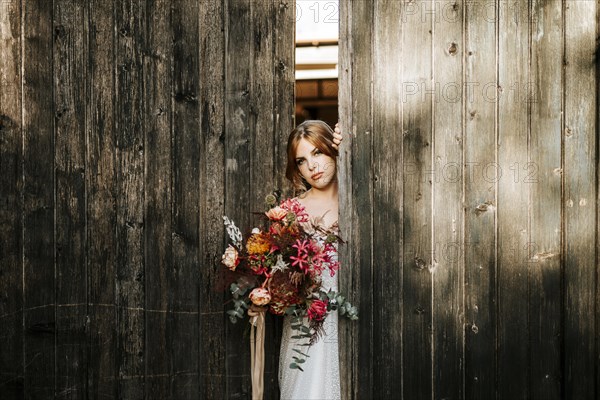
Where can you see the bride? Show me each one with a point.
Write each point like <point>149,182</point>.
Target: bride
<point>312,151</point>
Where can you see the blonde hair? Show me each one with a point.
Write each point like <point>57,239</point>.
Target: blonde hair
<point>319,134</point>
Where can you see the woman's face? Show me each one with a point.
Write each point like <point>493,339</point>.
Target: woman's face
<point>317,168</point>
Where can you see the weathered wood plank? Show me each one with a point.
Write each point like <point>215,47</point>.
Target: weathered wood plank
<point>513,201</point>
<point>11,174</point>
<point>359,209</point>
<point>545,149</point>
<point>129,139</point>
<point>239,138</point>
<point>417,103</point>
<point>183,279</point>
<point>387,200</point>
<point>283,86</point>
<point>579,202</point>
<point>447,266</point>
<point>38,201</point>
<point>349,274</point>
<point>479,243</point>
<point>283,123</point>
<point>262,159</point>
<point>212,333</point>
<point>101,202</point>
<point>158,256</point>
<point>69,58</point>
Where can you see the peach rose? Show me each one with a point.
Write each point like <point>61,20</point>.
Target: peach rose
<point>276,213</point>
<point>230,258</point>
<point>260,296</point>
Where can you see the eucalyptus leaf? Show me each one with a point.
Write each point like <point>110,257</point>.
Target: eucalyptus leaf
<point>299,352</point>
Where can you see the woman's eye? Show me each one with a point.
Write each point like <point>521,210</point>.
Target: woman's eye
<point>299,162</point>
<point>317,152</point>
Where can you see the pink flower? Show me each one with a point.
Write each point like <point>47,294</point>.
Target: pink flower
<point>334,266</point>
<point>294,206</point>
<point>260,296</point>
<point>301,260</point>
<point>230,258</point>
<point>317,310</point>
<point>276,214</point>
<point>310,257</point>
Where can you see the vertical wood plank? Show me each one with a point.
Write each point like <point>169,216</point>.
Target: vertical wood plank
<point>69,57</point>
<point>387,199</point>
<point>349,276</point>
<point>11,174</point>
<point>183,279</point>
<point>283,86</point>
<point>580,206</point>
<point>447,266</point>
<point>262,158</point>
<point>360,207</point>
<point>480,204</point>
<point>240,113</point>
<point>38,202</point>
<point>513,201</point>
<point>129,132</point>
<point>158,257</point>
<point>546,224</point>
<point>101,202</point>
<point>417,109</point>
<point>212,330</point>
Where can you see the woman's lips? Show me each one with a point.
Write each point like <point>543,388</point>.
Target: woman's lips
<point>317,176</point>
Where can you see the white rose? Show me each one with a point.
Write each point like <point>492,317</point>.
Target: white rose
<point>230,258</point>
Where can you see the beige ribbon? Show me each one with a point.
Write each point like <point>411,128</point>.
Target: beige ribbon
<point>257,350</point>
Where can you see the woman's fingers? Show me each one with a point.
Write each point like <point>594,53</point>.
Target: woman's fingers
<point>337,136</point>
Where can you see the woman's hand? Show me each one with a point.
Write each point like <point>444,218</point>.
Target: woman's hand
<point>337,136</point>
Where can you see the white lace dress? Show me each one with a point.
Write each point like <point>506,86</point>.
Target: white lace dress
<point>321,376</point>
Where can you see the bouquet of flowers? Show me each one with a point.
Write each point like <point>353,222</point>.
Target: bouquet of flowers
<point>280,268</point>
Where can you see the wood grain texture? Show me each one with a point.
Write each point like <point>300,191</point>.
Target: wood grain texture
<point>447,266</point>
<point>212,87</point>
<point>513,202</point>
<point>349,276</point>
<point>580,144</point>
<point>417,261</point>
<point>11,207</point>
<point>69,58</point>
<point>262,171</point>
<point>357,172</point>
<point>481,202</point>
<point>283,86</point>
<point>387,160</point>
<point>130,127</point>
<point>101,202</point>
<point>240,114</point>
<point>157,199</point>
<point>545,152</point>
<point>185,164</point>
<point>39,243</point>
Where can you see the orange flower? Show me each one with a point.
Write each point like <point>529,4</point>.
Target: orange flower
<point>258,244</point>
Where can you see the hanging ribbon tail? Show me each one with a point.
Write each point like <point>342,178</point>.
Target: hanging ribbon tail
<point>257,353</point>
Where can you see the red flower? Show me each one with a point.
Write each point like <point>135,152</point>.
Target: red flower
<point>317,310</point>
